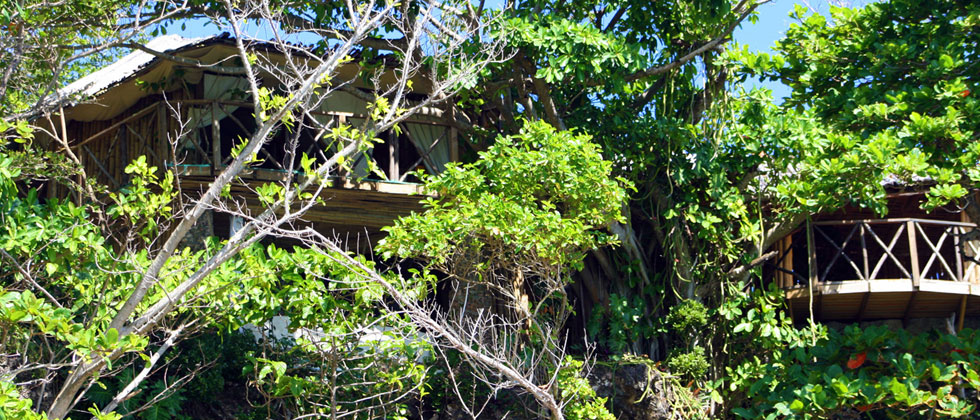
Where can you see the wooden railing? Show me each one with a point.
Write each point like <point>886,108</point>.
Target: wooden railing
<point>149,131</point>
<point>883,249</point>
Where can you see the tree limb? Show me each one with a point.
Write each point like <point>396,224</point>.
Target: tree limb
<point>127,392</point>
<point>707,46</point>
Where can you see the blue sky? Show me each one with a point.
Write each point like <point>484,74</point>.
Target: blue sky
<point>773,22</point>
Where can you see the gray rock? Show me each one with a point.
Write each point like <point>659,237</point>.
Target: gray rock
<point>635,390</point>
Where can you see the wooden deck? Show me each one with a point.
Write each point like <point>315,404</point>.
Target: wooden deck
<point>366,204</point>
<point>881,269</point>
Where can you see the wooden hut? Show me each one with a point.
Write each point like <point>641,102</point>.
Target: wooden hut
<point>186,119</point>
<point>852,266</point>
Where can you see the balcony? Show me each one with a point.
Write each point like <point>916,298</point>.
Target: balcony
<point>856,270</point>
<point>198,145</point>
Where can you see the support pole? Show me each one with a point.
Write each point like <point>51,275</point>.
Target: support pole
<point>393,169</point>
<point>812,257</point>
<point>453,136</point>
<point>913,253</point>
<point>813,279</point>
<point>958,249</point>
<point>962,315</point>
<point>215,140</point>
<point>161,123</point>
<point>864,252</point>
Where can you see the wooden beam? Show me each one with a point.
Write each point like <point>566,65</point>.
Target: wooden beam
<point>144,145</point>
<point>888,252</point>
<point>935,251</point>
<point>892,221</point>
<point>959,250</point>
<point>840,252</point>
<point>788,262</point>
<point>101,167</point>
<point>321,113</point>
<point>424,154</point>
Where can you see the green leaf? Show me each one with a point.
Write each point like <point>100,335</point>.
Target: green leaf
<point>796,406</point>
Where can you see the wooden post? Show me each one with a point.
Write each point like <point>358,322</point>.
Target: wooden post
<point>785,262</point>
<point>812,249</point>
<point>962,315</point>
<point>913,253</point>
<point>864,253</point>
<point>958,250</point>
<point>908,309</point>
<point>393,169</point>
<point>123,139</point>
<point>162,123</point>
<point>342,120</point>
<point>453,136</point>
<point>215,140</point>
<point>781,276</point>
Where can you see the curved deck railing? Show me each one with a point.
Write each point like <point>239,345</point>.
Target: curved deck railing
<point>880,249</point>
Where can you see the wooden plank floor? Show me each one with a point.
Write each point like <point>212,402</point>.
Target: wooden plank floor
<point>357,206</point>
<point>885,299</point>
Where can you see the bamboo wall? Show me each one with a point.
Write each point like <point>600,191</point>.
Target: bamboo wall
<point>106,147</point>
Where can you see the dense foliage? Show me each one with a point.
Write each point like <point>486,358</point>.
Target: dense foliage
<point>876,370</point>
<point>620,192</point>
<point>904,87</point>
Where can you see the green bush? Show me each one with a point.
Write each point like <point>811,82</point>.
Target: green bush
<point>583,404</point>
<point>691,364</point>
<point>687,317</point>
<point>885,373</point>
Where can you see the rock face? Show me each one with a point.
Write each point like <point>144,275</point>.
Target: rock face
<point>635,390</point>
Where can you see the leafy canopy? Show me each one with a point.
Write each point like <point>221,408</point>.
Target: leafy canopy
<point>900,75</point>
<point>543,194</point>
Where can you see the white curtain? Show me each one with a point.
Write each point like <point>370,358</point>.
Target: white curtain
<point>236,224</point>
<point>220,88</point>
<point>431,139</point>
<point>339,101</point>
<point>428,138</point>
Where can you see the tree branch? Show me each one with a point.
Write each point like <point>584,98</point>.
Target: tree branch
<point>127,392</point>
<point>707,46</point>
